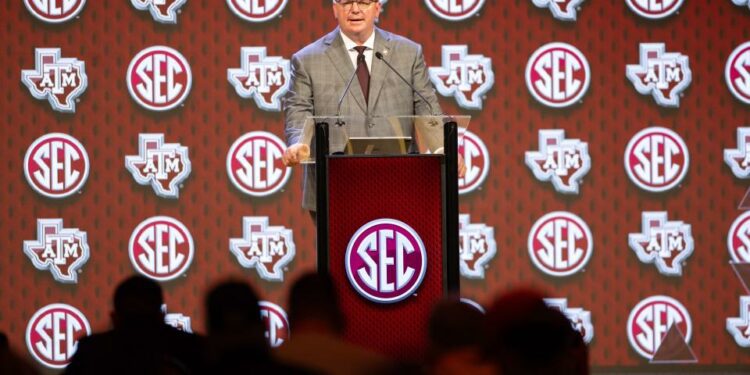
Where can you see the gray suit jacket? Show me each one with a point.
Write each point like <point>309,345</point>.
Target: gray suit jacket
<point>319,76</point>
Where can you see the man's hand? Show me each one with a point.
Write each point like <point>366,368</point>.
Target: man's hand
<point>295,154</point>
<point>461,167</point>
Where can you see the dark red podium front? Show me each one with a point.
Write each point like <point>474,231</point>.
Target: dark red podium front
<point>383,225</point>
<point>405,189</point>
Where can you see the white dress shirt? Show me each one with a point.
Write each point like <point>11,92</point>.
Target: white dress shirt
<point>369,43</point>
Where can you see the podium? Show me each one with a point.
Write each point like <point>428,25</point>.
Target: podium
<point>387,222</point>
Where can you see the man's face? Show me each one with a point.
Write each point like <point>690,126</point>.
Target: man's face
<point>356,21</point>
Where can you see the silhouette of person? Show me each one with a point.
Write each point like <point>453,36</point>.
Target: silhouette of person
<point>140,342</point>
<point>525,336</point>
<point>455,338</point>
<point>10,362</point>
<point>316,342</point>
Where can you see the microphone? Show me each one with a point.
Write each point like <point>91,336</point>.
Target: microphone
<point>379,55</point>
<point>343,94</point>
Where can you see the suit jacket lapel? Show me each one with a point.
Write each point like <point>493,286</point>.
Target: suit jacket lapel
<point>338,55</point>
<point>379,71</point>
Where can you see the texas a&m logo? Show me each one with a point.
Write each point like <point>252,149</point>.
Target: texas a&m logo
<point>161,248</point>
<point>385,261</point>
<point>54,11</point>
<point>56,165</point>
<point>664,75</point>
<point>454,10</point>
<point>162,165</point>
<point>177,320</point>
<point>738,239</point>
<point>268,249</point>
<point>476,160</point>
<point>656,159</point>
<point>560,244</point>
<point>62,251</point>
<point>263,78</point>
<point>651,319</point>
<point>739,327</point>
<point>60,80</point>
<point>465,77</point>
<point>739,158</point>
<point>562,161</point>
<point>276,323</point>
<point>665,243</point>
<point>256,10</point>
<point>159,78</point>
<point>580,319</point>
<point>654,9</point>
<point>255,166</point>
<point>737,72</point>
<point>163,11</point>
<point>53,333</point>
<point>564,10</point>
<point>558,75</point>
<point>476,246</point>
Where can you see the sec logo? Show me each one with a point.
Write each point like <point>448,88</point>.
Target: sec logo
<point>654,9</point>
<point>256,10</point>
<point>385,261</point>
<point>56,165</point>
<point>476,160</point>
<point>54,11</point>
<point>53,332</point>
<point>737,72</point>
<point>255,166</point>
<point>560,244</point>
<point>161,248</point>
<point>558,75</point>
<point>159,78</point>
<point>454,10</point>
<point>651,319</point>
<point>276,323</point>
<point>656,159</point>
<point>738,240</point>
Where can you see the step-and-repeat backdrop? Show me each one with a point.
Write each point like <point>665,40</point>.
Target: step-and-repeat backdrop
<point>607,162</point>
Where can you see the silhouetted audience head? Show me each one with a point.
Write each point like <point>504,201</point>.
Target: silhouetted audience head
<point>455,337</point>
<point>10,363</point>
<point>138,302</point>
<point>140,343</point>
<point>454,325</point>
<point>525,336</point>
<point>235,330</point>
<point>314,305</point>
<point>232,305</point>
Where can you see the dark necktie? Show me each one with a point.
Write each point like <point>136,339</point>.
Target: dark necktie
<point>362,73</point>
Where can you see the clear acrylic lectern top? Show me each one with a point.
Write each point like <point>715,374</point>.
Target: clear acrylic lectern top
<point>394,135</point>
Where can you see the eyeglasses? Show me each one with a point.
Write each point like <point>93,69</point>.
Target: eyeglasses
<point>361,4</point>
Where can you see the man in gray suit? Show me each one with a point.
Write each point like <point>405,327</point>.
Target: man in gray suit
<point>321,71</point>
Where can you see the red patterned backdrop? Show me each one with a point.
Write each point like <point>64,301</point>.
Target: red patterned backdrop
<point>107,121</point>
